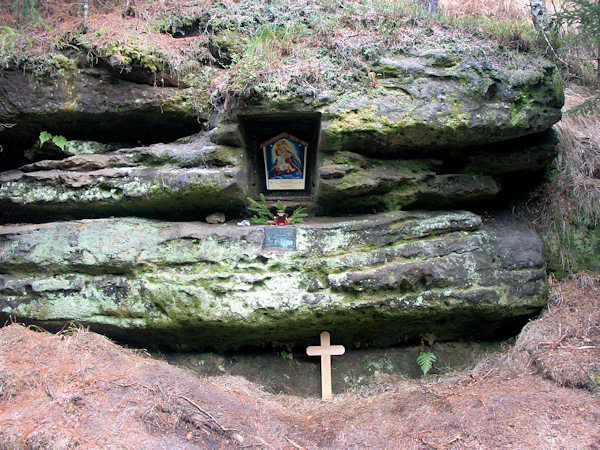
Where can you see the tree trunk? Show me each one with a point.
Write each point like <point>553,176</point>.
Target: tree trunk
<point>85,15</point>
<point>432,7</point>
<point>539,14</point>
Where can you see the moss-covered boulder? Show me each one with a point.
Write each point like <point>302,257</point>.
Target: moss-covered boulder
<point>418,107</point>
<point>377,279</point>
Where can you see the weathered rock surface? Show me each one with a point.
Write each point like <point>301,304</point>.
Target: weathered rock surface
<point>194,176</point>
<point>422,107</point>
<point>376,279</point>
<point>164,180</point>
<point>435,129</point>
<point>397,115</point>
<point>425,103</point>
<point>352,182</point>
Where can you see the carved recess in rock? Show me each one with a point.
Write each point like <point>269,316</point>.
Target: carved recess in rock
<point>180,180</point>
<point>377,279</point>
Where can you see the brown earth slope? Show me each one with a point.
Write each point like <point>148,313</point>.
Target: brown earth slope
<point>80,389</point>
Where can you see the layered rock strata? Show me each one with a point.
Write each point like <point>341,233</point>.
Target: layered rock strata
<point>381,279</point>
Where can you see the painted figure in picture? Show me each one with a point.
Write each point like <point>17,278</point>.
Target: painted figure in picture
<point>285,159</point>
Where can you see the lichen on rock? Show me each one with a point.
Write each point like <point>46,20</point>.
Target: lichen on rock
<point>180,283</point>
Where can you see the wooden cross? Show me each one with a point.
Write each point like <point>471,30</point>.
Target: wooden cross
<point>325,351</point>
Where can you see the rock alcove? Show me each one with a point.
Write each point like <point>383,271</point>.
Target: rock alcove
<point>258,129</point>
<point>393,249</point>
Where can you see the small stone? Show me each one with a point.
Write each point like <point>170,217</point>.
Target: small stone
<point>244,223</point>
<point>326,96</point>
<point>217,217</point>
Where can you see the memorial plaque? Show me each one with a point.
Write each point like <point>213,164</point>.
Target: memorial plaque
<point>280,238</point>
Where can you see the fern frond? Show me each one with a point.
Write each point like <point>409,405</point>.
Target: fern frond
<point>425,361</point>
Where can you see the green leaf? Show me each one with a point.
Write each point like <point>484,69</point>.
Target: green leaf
<point>60,141</point>
<point>425,361</point>
<point>44,137</point>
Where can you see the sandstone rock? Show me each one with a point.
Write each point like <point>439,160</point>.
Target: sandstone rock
<point>169,180</point>
<point>377,279</point>
<point>428,107</point>
<point>215,218</point>
<point>425,105</point>
<point>352,182</point>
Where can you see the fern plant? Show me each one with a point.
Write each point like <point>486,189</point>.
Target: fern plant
<point>59,141</point>
<point>263,214</point>
<point>425,360</point>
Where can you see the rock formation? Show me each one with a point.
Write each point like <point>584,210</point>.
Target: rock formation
<point>434,127</point>
<point>381,279</point>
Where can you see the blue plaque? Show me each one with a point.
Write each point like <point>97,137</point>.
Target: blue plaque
<point>280,238</point>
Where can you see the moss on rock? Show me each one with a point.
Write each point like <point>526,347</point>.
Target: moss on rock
<point>215,287</point>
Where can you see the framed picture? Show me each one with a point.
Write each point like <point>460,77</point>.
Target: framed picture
<point>285,163</point>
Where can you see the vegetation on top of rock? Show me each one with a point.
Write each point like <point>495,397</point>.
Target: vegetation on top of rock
<point>281,46</point>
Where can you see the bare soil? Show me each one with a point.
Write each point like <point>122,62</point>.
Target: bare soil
<point>78,388</point>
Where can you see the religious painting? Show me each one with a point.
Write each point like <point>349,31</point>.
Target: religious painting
<point>285,163</point>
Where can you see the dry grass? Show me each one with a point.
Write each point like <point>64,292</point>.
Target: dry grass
<point>569,201</point>
<point>565,343</point>
<point>579,156</point>
<point>80,389</point>
<point>505,9</point>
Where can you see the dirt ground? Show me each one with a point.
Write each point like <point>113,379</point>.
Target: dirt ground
<point>79,389</point>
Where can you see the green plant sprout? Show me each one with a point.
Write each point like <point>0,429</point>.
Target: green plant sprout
<point>287,356</point>
<point>59,141</point>
<point>425,360</point>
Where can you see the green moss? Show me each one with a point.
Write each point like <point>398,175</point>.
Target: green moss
<point>153,198</point>
<point>61,62</point>
<point>556,84</point>
<point>195,100</point>
<point>355,124</point>
<point>573,249</point>
<point>128,55</point>
<point>520,110</point>
<point>186,290</point>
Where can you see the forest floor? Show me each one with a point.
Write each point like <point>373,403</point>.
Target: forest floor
<point>80,389</point>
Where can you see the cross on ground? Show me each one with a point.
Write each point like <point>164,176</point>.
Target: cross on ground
<point>325,351</point>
